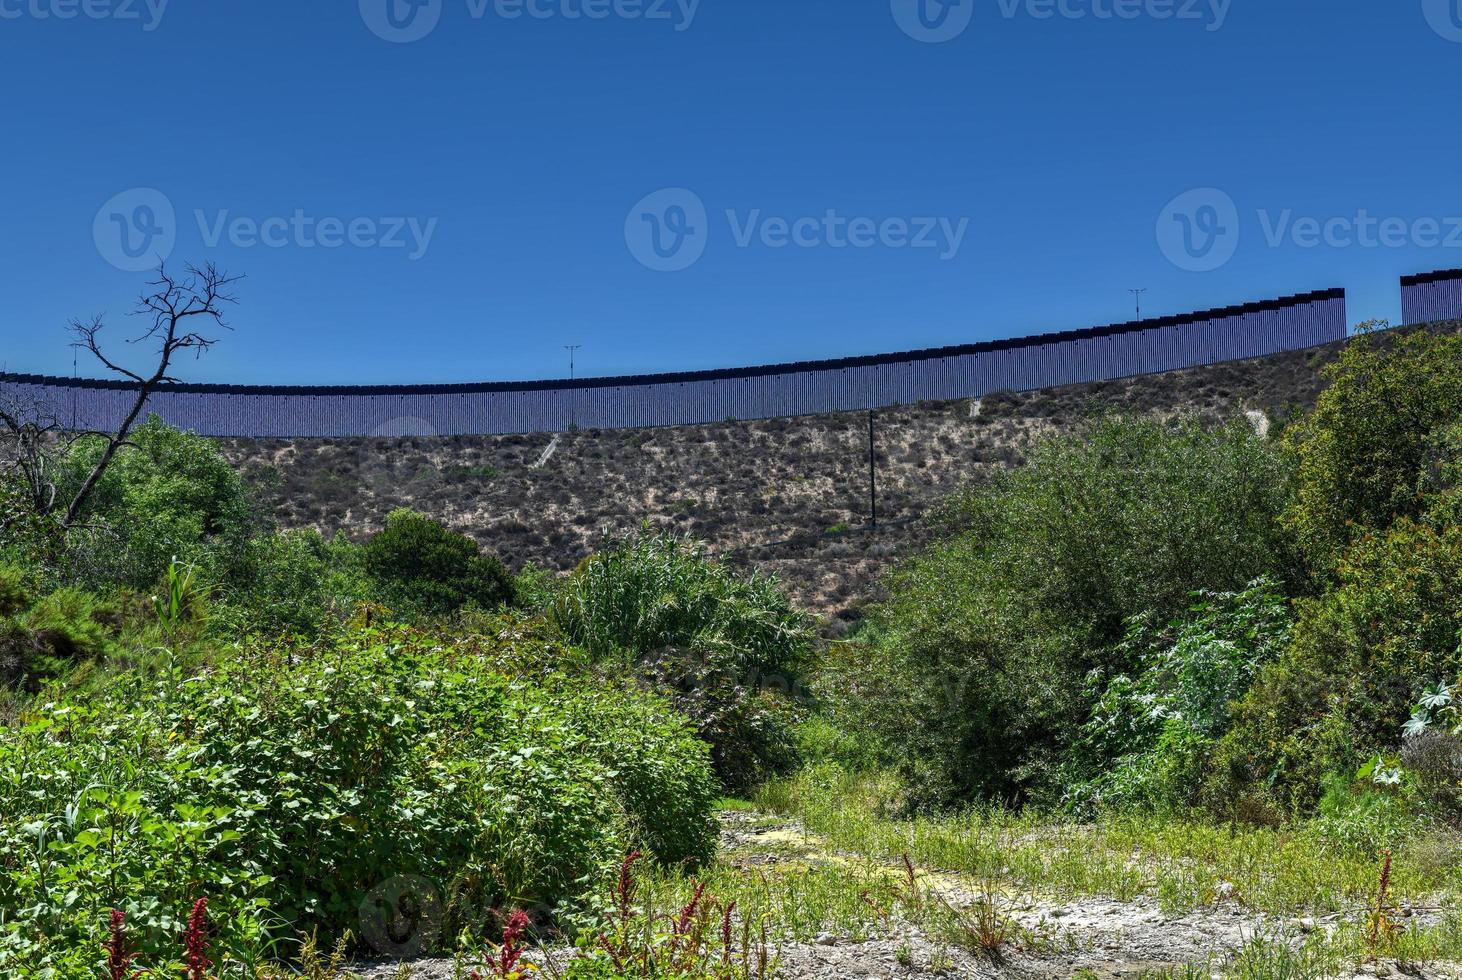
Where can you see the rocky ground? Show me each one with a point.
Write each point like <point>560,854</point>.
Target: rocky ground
<point>1092,938</point>
<point>788,496</point>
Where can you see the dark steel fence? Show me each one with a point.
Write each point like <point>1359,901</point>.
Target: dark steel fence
<point>1431,297</point>
<point>808,388</point>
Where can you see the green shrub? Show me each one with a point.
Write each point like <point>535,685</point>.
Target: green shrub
<point>1344,688</point>
<point>1150,732</point>
<point>424,569</point>
<point>728,647</point>
<point>988,636</point>
<point>536,587</point>
<point>1372,438</point>
<point>170,494</point>
<point>297,581</point>
<point>18,587</point>
<point>1357,820</point>
<point>287,791</point>
<point>44,636</point>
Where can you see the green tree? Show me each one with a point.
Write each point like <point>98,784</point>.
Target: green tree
<point>989,637</point>
<point>1365,451</point>
<point>297,581</point>
<point>1344,688</point>
<point>424,569</point>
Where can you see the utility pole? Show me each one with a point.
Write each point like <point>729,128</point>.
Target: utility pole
<point>1138,293</point>
<point>872,472</point>
<point>573,350</point>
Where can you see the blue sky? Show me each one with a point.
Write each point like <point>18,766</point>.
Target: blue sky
<point>461,205</point>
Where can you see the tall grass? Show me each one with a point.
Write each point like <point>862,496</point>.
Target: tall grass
<point>1183,863</point>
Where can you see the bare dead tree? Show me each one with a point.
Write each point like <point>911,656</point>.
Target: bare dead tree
<point>174,305</point>
<point>29,432</point>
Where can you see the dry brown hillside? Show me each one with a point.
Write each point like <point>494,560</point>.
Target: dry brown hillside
<point>789,496</point>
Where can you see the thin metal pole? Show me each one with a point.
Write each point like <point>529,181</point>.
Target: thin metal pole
<point>1138,293</point>
<point>573,349</point>
<point>872,472</point>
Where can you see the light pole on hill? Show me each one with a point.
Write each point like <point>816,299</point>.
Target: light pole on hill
<point>573,350</point>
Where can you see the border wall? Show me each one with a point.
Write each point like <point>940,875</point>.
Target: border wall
<point>808,388</point>
<point>1431,297</point>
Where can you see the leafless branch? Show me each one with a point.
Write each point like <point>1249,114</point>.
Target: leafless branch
<point>29,431</point>
<point>173,305</point>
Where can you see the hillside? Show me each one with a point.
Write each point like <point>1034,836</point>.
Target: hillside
<point>788,496</point>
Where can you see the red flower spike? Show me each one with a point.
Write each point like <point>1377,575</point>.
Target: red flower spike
<point>195,942</point>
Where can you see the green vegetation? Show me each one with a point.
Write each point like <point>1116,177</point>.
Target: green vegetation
<point>1163,660</point>
<point>287,787</point>
<point>1184,619</point>
<point>427,570</point>
<point>992,635</point>
<point>730,649</point>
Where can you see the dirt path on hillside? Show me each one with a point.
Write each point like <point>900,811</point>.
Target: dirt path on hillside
<point>1092,937</point>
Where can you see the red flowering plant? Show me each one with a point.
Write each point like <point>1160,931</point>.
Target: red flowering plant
<point>195,942</point>
<point>506,962</point>
<point>119,961</point>
<point>703,938</point>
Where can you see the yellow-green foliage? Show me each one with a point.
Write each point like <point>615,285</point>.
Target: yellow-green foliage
<point>1365,450</point>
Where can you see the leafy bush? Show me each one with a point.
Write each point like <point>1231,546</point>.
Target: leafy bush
<point>42,635</point>
<point>1341,692</point>
<point>296,581</point>
<point>1356,819</point>
<point>171,494</point>
<point>287,791</point>
<point>1150,732</point>
<point>1372,438</point>
<point>424,569</point>
<point>728,647</point>
<point>988,636</point>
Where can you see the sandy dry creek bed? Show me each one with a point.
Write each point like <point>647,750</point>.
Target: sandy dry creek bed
<point>1092,938</point>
